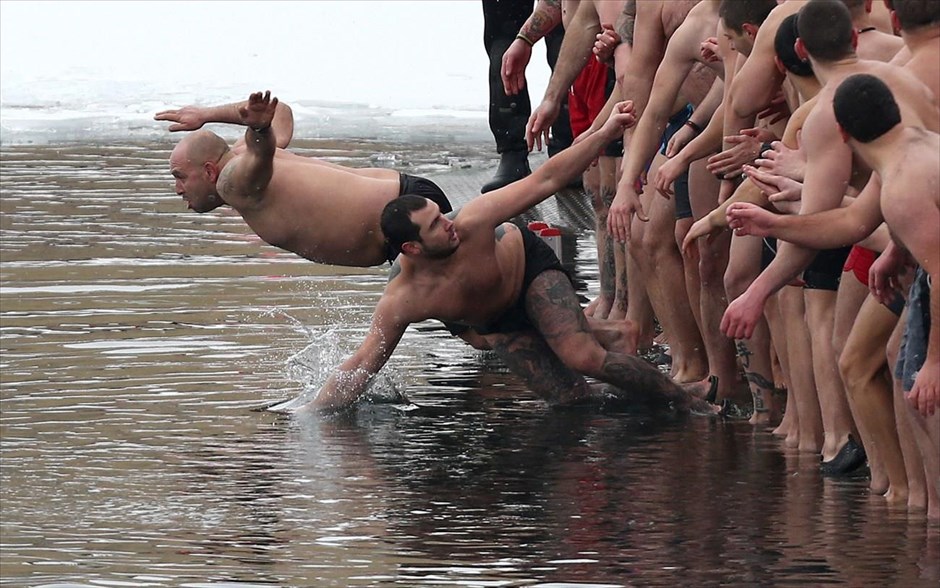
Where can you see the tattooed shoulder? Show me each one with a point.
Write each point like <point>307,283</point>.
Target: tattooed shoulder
<point>626,21</point>
<point>393,273</point>
<point>503,228</point>
<point>225,185</point>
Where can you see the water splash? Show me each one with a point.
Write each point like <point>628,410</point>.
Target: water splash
<point>312,365</point>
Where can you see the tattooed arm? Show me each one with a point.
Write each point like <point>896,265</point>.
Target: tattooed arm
<point>545,17</point>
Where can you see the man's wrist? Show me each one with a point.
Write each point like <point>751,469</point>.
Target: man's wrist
<point>697,129</point>
<point>522,35</point>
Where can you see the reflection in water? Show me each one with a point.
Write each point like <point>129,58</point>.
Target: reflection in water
<point>138,338</point>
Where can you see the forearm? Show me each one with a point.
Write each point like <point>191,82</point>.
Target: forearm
<point>708,142</point>
<point>933,340</point>
<point>565,166</point>
<point>576,49</point>
<point>342,389</point>
<point>261,142</point>
<point>545,17</point>
<point>822,230</point>
<point>746,192</point>
<point>787,265</point>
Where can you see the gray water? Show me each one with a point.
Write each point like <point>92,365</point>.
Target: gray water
<point>138,340</point>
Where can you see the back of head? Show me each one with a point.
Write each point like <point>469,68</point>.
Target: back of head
<point>855,6</point>
<point>865,107</point>
<point>914,14</point>
<point>396,220</point>
<point>784,43</point>
<point>825,27</point>
<point>735,13</point>
<point>202,146</point>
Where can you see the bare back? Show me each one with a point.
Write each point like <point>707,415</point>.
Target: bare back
<point>322,213</point>
<point>910,193</point>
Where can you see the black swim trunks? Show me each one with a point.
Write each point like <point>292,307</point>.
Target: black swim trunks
<point>419,187</point>
<point>825,272</point>
<point>681,185</point>
<point>539,257</point>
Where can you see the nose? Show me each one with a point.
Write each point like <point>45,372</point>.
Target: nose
<point>179,188</point>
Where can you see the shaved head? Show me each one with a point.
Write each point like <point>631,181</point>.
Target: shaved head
<point>202,146</point>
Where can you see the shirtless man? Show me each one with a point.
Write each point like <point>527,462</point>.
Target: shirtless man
<point>274,190</point>
<point>510,287</point>
<point>905,156</point>
<point>579,76</point>
<point>829,169</point>
<point>587,95</point>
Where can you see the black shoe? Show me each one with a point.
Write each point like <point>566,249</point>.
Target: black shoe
<point>513,165</point>
<point>850,458</point>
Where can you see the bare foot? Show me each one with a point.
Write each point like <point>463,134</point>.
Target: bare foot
<point>599,308</point>
<point>894,496</point>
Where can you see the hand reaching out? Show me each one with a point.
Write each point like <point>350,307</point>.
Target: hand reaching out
<point>776,188</point>
<point>259,112</point>
<point>783,161</point>
<point>745,148</point>
<point>187,118</point>
<point>540,123</point>
<point>749,219</point>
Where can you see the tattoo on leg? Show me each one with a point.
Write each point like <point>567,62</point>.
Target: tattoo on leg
<point>744,353</point>
<point>527,356</point>
<point>761,384</point>
<point>608,268</point>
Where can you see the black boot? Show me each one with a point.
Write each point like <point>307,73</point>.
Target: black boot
<point>513,165</point>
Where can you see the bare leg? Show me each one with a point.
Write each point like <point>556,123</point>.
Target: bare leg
<point>913,462</point>
<point>526,355</point>
<point>802,382</point>
<point>662,268</point>
<point>600,307</point>
<point>552,306</point>
<point>789,427</point>
<point>743,267</point>
<point>863,366</point>
<point>615,335</point>
<point>833,405</point>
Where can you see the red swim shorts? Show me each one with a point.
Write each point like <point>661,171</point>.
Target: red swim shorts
<point>587,96</point>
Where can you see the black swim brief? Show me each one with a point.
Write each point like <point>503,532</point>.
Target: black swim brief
<point>425,188</point>
<point>539,257</point>
<point>419,187</point>
<point>825,272</point>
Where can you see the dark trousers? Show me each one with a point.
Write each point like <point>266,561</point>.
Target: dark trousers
<point>502,20</point>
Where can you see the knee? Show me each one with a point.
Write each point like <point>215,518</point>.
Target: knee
<point>736,281</point>
<point>858,367</point>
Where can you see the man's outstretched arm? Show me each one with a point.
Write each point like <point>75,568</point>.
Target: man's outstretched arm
<point>503,204</point>
<point>190,118</point>
<point>253,170</point>
<point>828,229</point>
<point>349,381</point>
